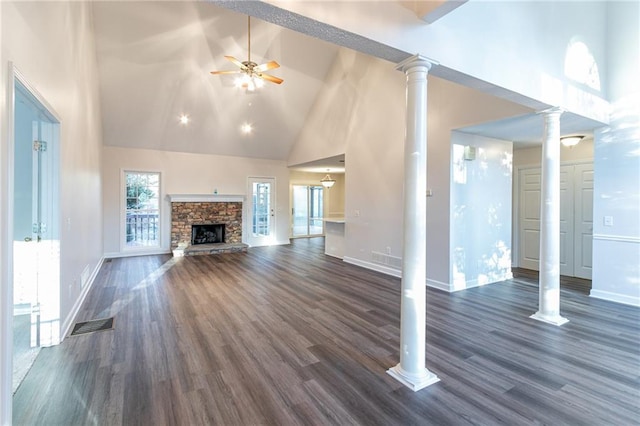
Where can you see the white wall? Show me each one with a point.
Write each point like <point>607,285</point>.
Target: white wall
<point>51,44</point>
<point>184,173</point>
<point>533,156</point>
<point>371,133</point>
<point>451,106</point>
<point>521,49</point>
<point>616,249</point>
<point>333,117</point>
<point>6,291</point>
<point>480,247</point>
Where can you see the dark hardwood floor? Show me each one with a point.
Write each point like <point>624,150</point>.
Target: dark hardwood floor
<point>288,336</point>
<point>579,285</point>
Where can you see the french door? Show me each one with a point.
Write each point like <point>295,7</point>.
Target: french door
<point>308,210</point>
<point>261,211</point>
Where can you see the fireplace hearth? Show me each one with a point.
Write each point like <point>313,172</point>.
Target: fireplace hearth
<point>207,233</point>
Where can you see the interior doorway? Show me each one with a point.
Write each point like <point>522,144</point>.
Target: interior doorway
<point>35,251</point>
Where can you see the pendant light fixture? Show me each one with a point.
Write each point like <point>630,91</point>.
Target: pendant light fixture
<point>326,181</point>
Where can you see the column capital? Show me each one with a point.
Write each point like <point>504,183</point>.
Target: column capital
<point>551,111</point>
<point>416,61</point>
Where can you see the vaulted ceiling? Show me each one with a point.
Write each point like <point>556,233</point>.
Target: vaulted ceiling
<point>154,60</point>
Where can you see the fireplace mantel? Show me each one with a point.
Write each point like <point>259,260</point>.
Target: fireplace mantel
<point>205,209</point>
<point>205,198</point>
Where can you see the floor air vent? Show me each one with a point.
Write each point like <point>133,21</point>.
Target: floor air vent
<point>92,326</point>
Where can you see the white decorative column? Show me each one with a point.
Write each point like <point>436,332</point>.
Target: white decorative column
<point>549,286</point>
<point>411,370</point>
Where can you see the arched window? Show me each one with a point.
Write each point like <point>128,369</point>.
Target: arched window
<point>580,66</point>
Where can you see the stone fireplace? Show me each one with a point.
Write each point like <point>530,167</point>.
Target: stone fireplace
<point>206,224</point>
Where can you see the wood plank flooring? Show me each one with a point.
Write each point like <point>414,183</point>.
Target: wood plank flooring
<point>288,336</point>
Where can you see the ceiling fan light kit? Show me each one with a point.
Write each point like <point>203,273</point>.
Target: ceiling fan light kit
<point>252,75</point>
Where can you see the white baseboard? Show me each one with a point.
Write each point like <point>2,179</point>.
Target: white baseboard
<point>71,318</point>
<point>475,283</point>
<point>439,285</point>
<point>275,243</point>
<point>615,297</point>
<point>117,254</point>
<point>374,266</point>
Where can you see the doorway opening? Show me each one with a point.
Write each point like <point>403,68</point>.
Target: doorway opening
<point>34,226</point>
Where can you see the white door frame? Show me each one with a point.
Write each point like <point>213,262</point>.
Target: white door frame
<point>583,267</point>
<point>249,238</point>
<point>515,260</point>
<point>6,243</point>
<point>292,204</point>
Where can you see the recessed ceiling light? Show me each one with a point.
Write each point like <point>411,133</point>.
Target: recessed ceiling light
<point>246,128</point>
<point>184,119</point>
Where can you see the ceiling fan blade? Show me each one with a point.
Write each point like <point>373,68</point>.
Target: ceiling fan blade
<point>270,78</point>
<point>236,62</point>
<point>267,66</point>
<point>226,72</point>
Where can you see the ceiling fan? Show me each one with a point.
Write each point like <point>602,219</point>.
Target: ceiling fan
<point>253,75</point>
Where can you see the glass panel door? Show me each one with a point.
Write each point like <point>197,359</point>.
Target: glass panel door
<point>308,210</point>
<point>300,211</point>
<point>36,254</point>
<point>261,212</point>
<point>316,210</point>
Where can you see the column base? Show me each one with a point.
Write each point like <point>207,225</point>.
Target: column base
<point>555,320</point>
<point>415,383</point>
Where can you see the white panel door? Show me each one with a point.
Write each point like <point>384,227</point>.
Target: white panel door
<point>529,218</point>
<point>583,220</point>
<point>576,219</point>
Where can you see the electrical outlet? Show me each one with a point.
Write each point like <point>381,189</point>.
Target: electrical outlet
<point>356,213</point>
<point>608,221</point>
<point>388,250</point>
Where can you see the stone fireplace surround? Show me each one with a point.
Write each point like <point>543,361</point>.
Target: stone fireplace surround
<point>190,209</point>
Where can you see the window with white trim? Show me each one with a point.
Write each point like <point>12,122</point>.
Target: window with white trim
<point>142,209</point>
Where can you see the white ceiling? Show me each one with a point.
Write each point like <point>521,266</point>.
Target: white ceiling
<point>154,59</point>
<point>526,131</point>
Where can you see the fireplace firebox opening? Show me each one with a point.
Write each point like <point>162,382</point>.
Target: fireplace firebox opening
<point>207,233</point>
